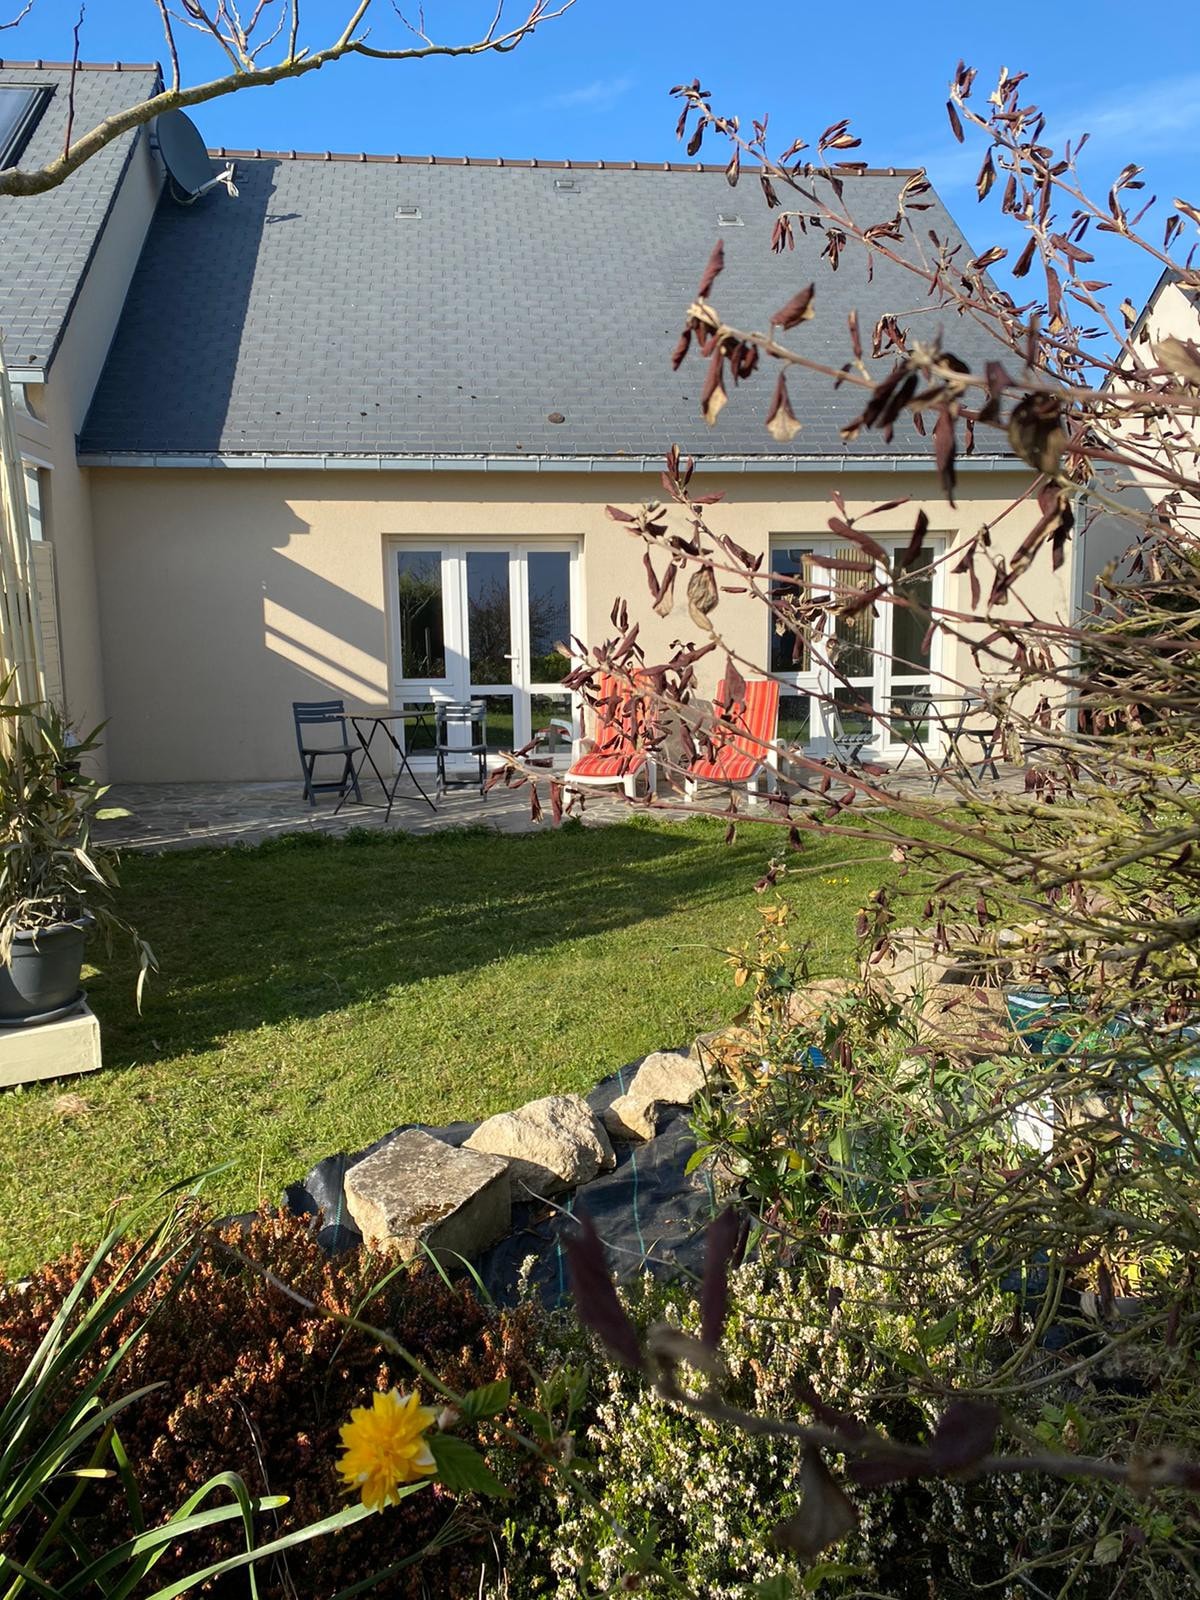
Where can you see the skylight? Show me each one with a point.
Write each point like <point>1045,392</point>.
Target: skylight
<point>20,107</point>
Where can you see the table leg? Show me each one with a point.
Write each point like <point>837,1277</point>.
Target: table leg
<point>950,737</point>
<point>404,766</point>
<point>987,746</point>
<point>914,721</point>
<point>365,759</point>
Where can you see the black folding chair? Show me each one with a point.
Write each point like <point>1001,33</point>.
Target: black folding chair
<point>322,713</point>
<point>470,718</point>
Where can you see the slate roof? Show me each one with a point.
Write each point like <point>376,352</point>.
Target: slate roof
<point>47,240</point>
<point>312,317</point>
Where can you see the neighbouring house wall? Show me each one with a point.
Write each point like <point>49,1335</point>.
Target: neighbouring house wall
<point>1173,441</point>
<point>226,594</point>
<point>61,404</point>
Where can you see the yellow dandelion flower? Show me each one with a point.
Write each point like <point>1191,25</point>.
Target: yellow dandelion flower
<point>385,1446</point>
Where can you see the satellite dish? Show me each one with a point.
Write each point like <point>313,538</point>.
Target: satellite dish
<point>189,169</point>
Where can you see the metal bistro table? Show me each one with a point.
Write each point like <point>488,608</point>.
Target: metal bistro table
<point>383,719</point>
<point>948,713</point>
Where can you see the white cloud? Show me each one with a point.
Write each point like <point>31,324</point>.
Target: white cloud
<point>595,96</point>
<point>1140,118</point>
<point>1131,123</point>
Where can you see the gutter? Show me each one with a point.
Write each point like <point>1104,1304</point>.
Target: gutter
<point>533,463</point>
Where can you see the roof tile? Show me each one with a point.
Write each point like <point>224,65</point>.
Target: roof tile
<point>47,240</point>
<point>304,318</point>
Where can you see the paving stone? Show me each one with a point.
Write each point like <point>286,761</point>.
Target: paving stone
<point>418,1191</point>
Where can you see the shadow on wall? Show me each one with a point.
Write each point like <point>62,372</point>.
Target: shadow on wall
<point>1106,538</point>
<point>215,621</point>
<point>332,642</point>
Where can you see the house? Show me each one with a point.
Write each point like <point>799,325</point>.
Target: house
<point>354,431</point>
<point>1156,443</point>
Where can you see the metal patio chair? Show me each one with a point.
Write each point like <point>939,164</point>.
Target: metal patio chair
<point>325,713</point>
<point>471,715</point>
<point>847,744</point>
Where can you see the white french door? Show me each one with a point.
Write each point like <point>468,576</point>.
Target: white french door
<point>481,620</point>
<point>861,673</point>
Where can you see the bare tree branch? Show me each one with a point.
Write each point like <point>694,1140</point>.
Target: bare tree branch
<point>20,16</point>
<point>71,85</point>
<point>172,49</point>
<point>296,63</point>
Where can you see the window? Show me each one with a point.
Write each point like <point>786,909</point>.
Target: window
<point>33,499</point>
<point>422,615</point>
<point>20,107</point>
<point>875,666</point>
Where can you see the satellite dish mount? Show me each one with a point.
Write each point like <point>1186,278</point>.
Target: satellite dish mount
<point>185,156</point>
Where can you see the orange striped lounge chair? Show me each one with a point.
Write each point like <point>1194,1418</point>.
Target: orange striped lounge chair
<point>742,741</point>
<point>613,757</point>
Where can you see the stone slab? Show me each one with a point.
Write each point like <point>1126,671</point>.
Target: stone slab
<point>725,1048</point>
<point>50,1050</point>
<point>808,1006</point>
<point>418,1192</point>
<point>911,966</point>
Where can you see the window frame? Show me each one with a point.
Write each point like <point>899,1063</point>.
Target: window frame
<point>12,146</point>
<point>821,682</point>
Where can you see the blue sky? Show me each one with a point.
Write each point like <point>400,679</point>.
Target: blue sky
<point>595,84</point>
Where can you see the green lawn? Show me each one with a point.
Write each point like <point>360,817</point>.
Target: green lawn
<point>314,994</point>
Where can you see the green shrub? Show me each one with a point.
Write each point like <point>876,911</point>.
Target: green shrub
<point>885,1346</point>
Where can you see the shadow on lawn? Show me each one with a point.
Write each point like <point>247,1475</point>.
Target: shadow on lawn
<point>299,928</point>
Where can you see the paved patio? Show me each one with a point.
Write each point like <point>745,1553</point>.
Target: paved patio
<point>175,816</point>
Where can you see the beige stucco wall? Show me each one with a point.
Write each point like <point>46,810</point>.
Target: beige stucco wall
<point>60,405</point>
<point>226,594</point>
<point>1167,440</point>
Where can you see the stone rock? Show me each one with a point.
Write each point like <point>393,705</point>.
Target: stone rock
<point>550,1145</point>
<point>670,1077</point>
<point>418,1191</point>
<point>808,1006</point>
<point>913,966</point>
<point>726,1048</point>
<point>966,1019</point>
<point>666,1078</point>
<point>629,1120</point>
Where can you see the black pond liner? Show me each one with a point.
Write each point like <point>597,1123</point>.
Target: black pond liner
<point>650,1211</point>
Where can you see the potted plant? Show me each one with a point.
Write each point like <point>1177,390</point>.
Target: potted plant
<point>55,886</point>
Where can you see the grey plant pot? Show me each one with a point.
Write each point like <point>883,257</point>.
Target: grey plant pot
<point>42,974</point>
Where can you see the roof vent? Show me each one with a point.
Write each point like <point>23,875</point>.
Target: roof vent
<point>567,185</point>
<point>729,219</point>
<point>409,212</point>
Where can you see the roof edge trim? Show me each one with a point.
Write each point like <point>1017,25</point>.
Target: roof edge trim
<point>79,66</point>
<point>531,463</point>
<point>849,169</point>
